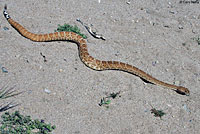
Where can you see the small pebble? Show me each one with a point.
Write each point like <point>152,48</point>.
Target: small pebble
<point>194,17</point>
<point>172,12</point>
<point>167,26</point>
<point>29,91</point>
<point>117,53</point>
<point>180,27</point>
<point>152,23</point>
<point>4,70</point>
<point>194,31</point>
<point>169,105</point>
<point>47,91</point>
<point>197,74</point>
<point>40,67</point>
<point>177,82</point>
<point>154,63</point>
<point>60,70</point>
<point>135,21</point>
<point>185,108</point>
<point>128,2</point>
<point>5,28</point>
<point>17,56</point>
<point>184,44</point>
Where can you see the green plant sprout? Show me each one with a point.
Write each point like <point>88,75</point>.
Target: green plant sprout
<point>69,28</point>
<point>7,93</point>
<point>8,106</point>
<point>113,95</point>
<point>197,39</point>
<point>16,123</point>
<point>104,101</point>
<point>157,113</point>
<point>107,100</point>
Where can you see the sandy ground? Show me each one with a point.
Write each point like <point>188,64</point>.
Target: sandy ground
<point>155,36</point>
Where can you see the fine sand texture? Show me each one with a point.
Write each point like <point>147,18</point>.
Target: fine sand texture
<point>157,36</point>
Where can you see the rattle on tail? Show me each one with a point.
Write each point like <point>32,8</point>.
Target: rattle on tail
<point>89,60</point>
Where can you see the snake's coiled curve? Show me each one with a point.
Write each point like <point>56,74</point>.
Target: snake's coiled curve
<point>86,58</point>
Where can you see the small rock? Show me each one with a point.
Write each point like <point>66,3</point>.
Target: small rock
<point>185,108</point>
<point>4,70</point>
<point>40,67</point>
<point>194,17</point>
<point>167,26</point>
<point>154,63</point>
<point>180,27</point>
<point>177,82</point>
<point>194,31</point>
<point>169,5</point>
<point>60,70</point>
<point>184,44</point>
<point>17,56</point>
<point>169,105</point>
<point>128,2</point>
<point>5,28</point>
<point>172,12</point>
<point>47,91</point>
<point>135,21</point>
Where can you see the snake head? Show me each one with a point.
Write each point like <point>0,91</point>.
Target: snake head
<point>183,91</point>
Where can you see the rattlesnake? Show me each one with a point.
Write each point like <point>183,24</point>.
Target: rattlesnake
<point>86,58</point>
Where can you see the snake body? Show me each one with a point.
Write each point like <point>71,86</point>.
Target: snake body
<point>86,58</point>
